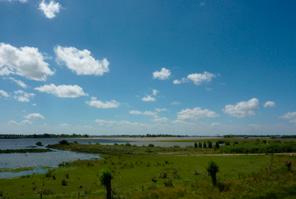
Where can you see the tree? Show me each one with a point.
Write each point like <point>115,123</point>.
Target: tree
<point>200,145</point>
<point>213,169</point>
<point>217,146</point>
<point>289,165</point>
<point>204,145</point>
<point>106,178</point>
<point>195,145</point>
<point>210,145</point>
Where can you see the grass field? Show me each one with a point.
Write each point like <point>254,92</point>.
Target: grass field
<point>142,173</point>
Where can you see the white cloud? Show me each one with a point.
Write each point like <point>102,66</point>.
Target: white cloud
<point>20,1</point>
<point>200,78</point>
<point>121,123</point>
<point>152,97</point>
<point>152,114</point>
<point>290,116</point>
<point>28,119</point>
<point>63,91</point>
<point>34,116</point>
<point>25,61</point>
<point>143,113</point>
<point>50,9</point>
<point>94,102</point>
<point>148,98</point>
<point>269,104</point>
<point>3,94</point>
<point>243,108</point>
<point>177,81</point>
<point>196,78</point>
<point>19,82</point>
<point>163,74</point>
<point>195,113</point>
<point>23,96</point>
<point>81,61</point>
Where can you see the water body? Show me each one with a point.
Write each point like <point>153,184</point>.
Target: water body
<point>52,159</point>
<point>30,142</point>
<point>38,161</point>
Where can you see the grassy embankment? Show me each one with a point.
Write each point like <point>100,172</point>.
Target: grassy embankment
<point>155,172</point>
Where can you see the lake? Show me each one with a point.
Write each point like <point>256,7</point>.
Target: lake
<point>38,161</point>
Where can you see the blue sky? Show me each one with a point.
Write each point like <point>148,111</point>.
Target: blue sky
<point>157,66</point>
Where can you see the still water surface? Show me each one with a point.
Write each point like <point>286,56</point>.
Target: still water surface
<point>52,159</point>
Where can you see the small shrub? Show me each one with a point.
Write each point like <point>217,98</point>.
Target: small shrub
<point>213,169</point>
<point>154,180</point>
<point>128,144</point>
<point>64,142</point>
<point>223,187</point>
<point>151,145</point>
<point>163,175</point>
<point>288,165</point>
<point>168,183</point>
<point>64,182</point>
<point>196,173</point>
<point>105,179</point>
<point>39,144</point>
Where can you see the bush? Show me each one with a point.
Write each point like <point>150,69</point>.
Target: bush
<point>168,183</point>
<point>288,165</point>
<point>105,179</point>
<point>39,144</point>
<point>213,169</point>
<point>64,142</point>
<point>64,182</point>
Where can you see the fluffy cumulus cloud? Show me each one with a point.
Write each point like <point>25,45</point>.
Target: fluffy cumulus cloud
<point>94,102</point>
<point>243,108</point>
<point>63,91</point>
<point>81,61</point>
<point>34,116</point>
<point>196,78</point>
<point>151,97</point>
<point>23,96</point>
<point>25,61</point>
<point>3,94</point>
<point>199,78</point>
<point>163,74</point>
<point>50,9</point>
<point>195,114</point>
<point>269,104</point>
<point>290,116</point>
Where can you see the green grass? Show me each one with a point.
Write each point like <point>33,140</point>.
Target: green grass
<point>154,172</point>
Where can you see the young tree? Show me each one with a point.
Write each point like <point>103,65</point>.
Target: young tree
<point>106,178</point>
<point>204,145</point>
<point>200,145</point>
<point>213,169</point>
<point>195,145</point>
<point>217,146</point>
<point>210,145</point>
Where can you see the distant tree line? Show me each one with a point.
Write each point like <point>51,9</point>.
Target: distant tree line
<point>45,135</point>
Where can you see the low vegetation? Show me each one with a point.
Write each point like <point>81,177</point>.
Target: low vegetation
<point>151,172</point>
<point>35,150</point>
